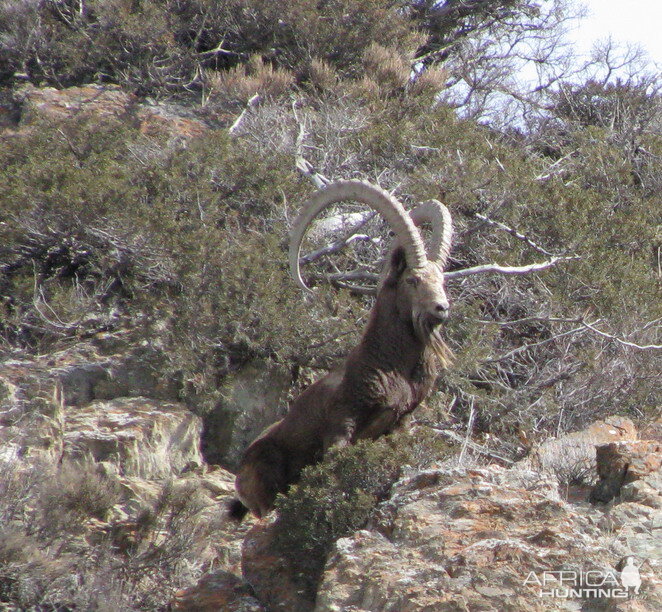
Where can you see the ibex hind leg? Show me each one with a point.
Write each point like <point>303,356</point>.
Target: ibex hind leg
<point>262,475</point>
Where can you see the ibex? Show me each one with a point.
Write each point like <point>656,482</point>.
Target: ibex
<point>386,376</point>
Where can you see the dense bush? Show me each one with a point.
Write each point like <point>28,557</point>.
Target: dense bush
<point>336,498</point>
<point>193,237</point>
<point>187,237</point>
<point>166,47</point>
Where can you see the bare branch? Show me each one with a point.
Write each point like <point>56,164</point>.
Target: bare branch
<point>647,347</point>
<point>513,232</point>
<point>453,435</point>
<point>301,163</point>
<point>334,247</point>
<point>252,103</point>
<point>583,326</point>
<point>508,270</point>
<point>555,167</point>
<point>467,437</point>
<point>524,347</point>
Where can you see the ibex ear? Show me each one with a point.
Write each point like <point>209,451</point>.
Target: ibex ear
<point>398,266</point>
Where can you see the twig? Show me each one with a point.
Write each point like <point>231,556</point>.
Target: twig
<point>470,426</point>
<point>513,232</point>
<point>582,326</point>
<point>471,445</point>
<point>219,50</point>
<point>646,347</point>
<point>344,280</point>
<point>548,173</point>
<point>302,164</point>
<point>350,236</point>
<point>524,347</point>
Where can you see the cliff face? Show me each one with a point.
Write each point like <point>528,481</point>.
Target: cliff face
<point>102,481</point>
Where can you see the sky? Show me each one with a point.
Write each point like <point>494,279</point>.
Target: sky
<point>627,21</point>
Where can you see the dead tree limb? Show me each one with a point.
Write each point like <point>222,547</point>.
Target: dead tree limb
<point>645,347</point>
<point>252,103</point>
<point>301,163</point>
<point>508,270</point>
<point>477,448</point>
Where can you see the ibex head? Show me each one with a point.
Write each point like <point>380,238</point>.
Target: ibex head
<point>416,275</point>
<point>419,294</point>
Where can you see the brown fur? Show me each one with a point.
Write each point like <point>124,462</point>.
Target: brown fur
<point>383,379</point>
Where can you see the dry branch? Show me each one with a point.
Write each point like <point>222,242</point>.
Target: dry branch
<point>252,103</point>
<point>508,270</point>
<point>477,448</point>
<point>302,164</point>
<point>646,347</point>
<point>513,232</point>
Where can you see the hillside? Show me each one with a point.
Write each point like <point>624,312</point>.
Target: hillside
<point>153,157</point>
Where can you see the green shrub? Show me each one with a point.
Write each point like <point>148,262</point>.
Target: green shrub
<point>336,497</point>
<point>165,47</point>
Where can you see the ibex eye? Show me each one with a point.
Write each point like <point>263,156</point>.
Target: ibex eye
<point>413,280</point>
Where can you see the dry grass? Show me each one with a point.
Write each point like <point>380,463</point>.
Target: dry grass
<point>241,83</point>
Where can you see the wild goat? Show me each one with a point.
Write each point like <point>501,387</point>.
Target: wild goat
<point>385,377</point>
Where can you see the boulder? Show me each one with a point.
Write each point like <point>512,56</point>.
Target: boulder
<point>621,463</point>
<point>142,437</point>
<point>463,538</point>
<point>572,456</point>
<point>269,571</point>
<point>217,591</point>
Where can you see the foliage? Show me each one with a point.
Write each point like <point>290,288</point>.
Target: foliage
<point>197,228</point>
<point>205,218</point>
<point>335,498</point>
<point>201,49</point>
<point>162,48</point>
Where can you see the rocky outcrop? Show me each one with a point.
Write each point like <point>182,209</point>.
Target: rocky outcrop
<point>572,456</point>
<point>468,539</point>
<point>33,104</point>
<point>100,421</point>
<point>458,538</point>
<point>141,437</point>
<point>217,591</point>
<point>45,400</point>
<point>269,572</point>
<point>619,464</point>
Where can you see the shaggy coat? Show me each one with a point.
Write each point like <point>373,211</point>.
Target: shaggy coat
<point>384,378</point>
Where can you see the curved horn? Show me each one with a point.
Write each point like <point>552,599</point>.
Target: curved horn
<point>370,195</point>
<point>439,217</point>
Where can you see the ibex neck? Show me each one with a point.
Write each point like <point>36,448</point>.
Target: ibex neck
<point>390,335</point>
